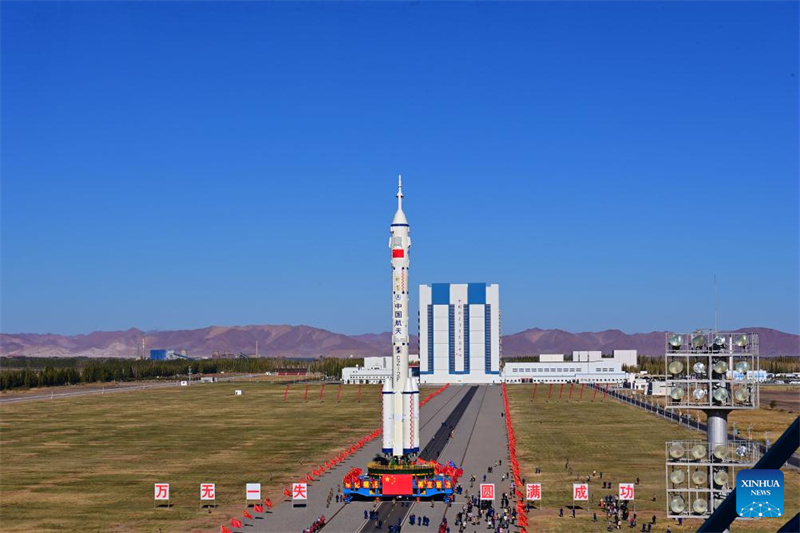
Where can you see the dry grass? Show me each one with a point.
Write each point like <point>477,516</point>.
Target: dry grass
<point>621,441</point>
<point>763,423</point>
<point>89,463</point>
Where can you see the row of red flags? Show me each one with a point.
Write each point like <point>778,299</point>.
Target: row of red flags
<point>522,516</point>
<point>237,523</point>
<point>434,394</point>
<point>340,458</point>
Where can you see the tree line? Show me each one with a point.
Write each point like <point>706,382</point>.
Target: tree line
<point>29,372</point>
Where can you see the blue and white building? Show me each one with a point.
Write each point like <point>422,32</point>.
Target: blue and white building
<point>459,333</point>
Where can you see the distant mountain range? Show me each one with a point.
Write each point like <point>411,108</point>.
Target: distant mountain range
<point>305,341</point>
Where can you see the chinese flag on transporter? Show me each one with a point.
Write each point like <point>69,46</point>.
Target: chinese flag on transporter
<point>398,484</point>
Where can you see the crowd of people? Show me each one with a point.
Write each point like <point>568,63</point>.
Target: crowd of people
<point>482,513</point>
<point>316,526</point>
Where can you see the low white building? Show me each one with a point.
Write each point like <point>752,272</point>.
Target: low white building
<point>626,357</point>
<point>585,367</point>
<point>375,370</point>
<point>603,371</point>
<point>355,375</point>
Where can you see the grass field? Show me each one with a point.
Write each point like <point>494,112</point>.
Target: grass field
<point>621,441</point>
<point>763,423</point>
<point>89,463</point>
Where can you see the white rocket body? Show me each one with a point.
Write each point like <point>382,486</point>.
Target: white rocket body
<point>388,416</point>
<point>403,431</point>
<point>414,431</point>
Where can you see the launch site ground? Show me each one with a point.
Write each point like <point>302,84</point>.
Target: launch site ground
<point>89,463</point>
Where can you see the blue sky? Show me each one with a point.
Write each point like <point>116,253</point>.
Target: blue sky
<point>176,165</point>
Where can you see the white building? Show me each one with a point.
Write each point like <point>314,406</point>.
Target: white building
<point>585,367</point>
<point>459,333</point>
<point>626,357</point>
<point>375,370</point>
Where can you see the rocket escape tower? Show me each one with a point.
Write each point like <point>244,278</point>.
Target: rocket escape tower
<point>401,473</point>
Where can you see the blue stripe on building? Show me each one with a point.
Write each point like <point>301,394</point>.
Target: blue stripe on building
<point>488,326</point>
<point>430,341</point>
<point>451,335</point>
<point>440,293</point>
<point>466,338</point>
<point>476,293</point>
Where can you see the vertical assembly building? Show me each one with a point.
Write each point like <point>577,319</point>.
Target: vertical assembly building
<point>459,333</point>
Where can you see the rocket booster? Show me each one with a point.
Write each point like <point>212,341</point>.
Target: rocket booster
<point>399,419</point>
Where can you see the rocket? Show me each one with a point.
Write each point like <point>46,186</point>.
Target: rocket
<point>400,392</point>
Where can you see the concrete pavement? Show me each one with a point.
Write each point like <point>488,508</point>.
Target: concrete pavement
<point>285,518</point>
<point>479,439</point>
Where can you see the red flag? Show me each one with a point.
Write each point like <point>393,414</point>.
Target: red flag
<point>223,529</point>
<point>398,484</point>
<point>268,503</point>
<point>287,493</point>
<point>247,515</point>
<point>236,523</point>
<point>309,478</point>
<point>258,508</point>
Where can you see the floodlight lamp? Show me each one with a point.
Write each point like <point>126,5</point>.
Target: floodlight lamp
<point>720,366</point>
<point>720,394</point>
<point>677,505</point>
<point>677,450</point>
<point>741,395</point>
<point>720,341</point>
<point>698,341</point>
<point>675,367</point>
<point>741,451</point>
<point>721,478</point>
<point>698,451</point>
<point>676,393</point>
<point>699,506</point>
<point>741,341</point>
<point>675,341</point>
<point>677,477</point>
<point>742,367</point>
<point>699,368</point>
<point>721,451</point>
<point>699,477</point>
<point>699,394</point>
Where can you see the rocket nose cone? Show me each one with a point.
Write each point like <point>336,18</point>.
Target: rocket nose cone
<point>387,385</point>
<point>409,387</point>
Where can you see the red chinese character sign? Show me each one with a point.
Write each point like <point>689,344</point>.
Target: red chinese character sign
<point>580,491</point>
<point>207,492</point>
<point>626,491</point>
<point>162,491</point>
<point>487,491</point>
<point>300,491</point>
<point>533,491</point>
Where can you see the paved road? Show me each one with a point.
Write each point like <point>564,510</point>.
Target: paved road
<point>391,513</point>
<point>53,395</point>
<point>285,518</point>
<point>109,389</point>
<point>479,439</point>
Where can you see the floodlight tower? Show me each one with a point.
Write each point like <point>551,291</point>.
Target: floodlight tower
<point>716,373</point>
